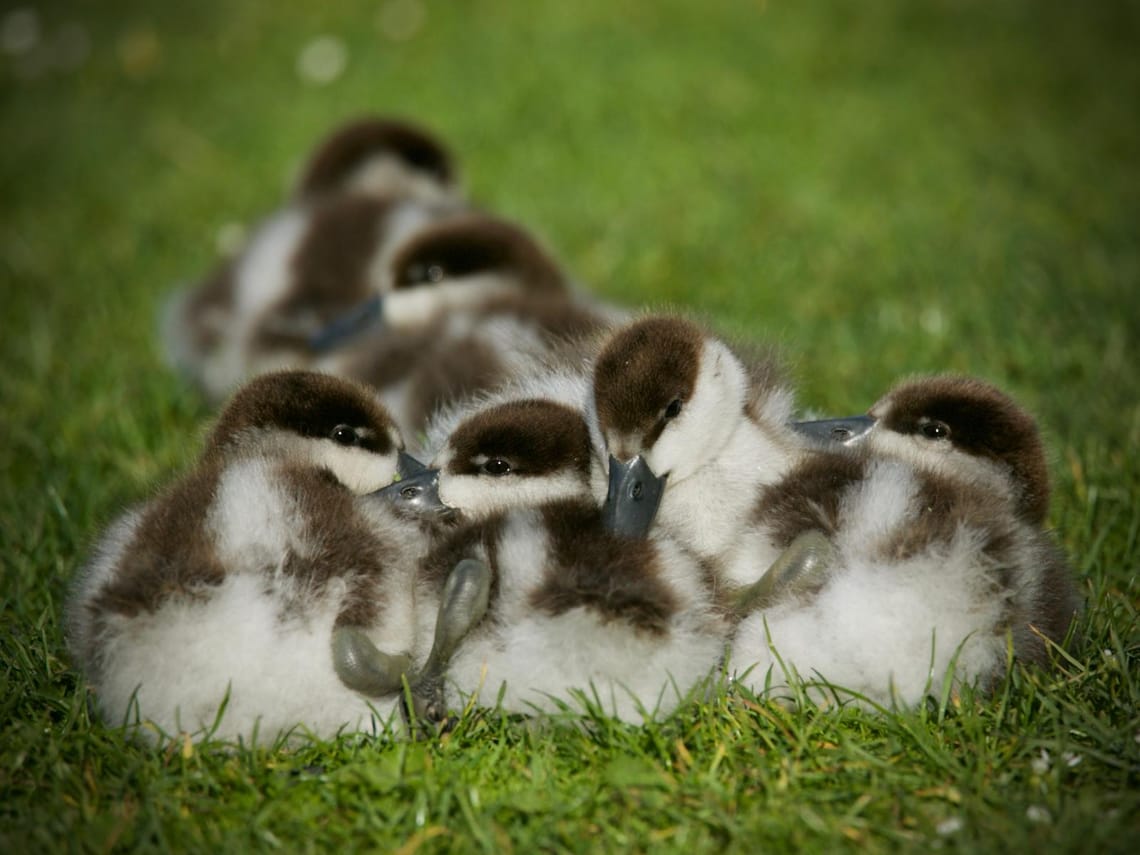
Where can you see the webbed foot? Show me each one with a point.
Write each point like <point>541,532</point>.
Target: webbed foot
<point>462,606</point>
<point>364,668</point>
<point>800,569</point>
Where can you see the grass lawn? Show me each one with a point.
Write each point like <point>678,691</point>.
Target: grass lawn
<point>882,188</point>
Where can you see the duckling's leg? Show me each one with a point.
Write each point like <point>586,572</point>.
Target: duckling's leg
<point>462,606</point>
<point>364,668</point>
<point>800,569</point>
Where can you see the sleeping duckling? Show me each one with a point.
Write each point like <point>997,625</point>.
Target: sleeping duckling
<point>368,187</point>
<point>476,301</point>
<point>573,606</point>
<point>219,605</point>
<point>936,550</point>
<point>687,421</point>
<point>301,270</point>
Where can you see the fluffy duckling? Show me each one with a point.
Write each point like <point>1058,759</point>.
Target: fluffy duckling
<point>476,302</point>
<point>687,422</point>
<point>365,189</point>
<point>220,605</point>
<point>302,269</point>
<point>573,606</point>
<point>935,550</point>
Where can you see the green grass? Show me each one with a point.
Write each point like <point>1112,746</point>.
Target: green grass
<point>882,188</point>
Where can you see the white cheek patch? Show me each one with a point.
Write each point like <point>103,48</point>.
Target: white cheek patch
<point>485,494</point>
<point>360,470</point>
<point>709,418</point>
<point>387,175</point>
<point>419,304</point>
<point>941,457</point>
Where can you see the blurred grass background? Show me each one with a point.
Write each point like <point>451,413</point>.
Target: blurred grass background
<point>884,189</point>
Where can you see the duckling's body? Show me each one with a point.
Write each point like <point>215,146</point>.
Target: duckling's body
<point>228,586</point>
<point>938,552</point>
<point>577,610</point>
<point>573,606</point>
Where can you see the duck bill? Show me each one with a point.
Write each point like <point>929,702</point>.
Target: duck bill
<point>418,494</point>
<point>344,328</point>
<point>633,498</point>
<point>407,466</point>
<point>845,431</point>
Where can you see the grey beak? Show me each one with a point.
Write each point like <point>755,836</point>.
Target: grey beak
<point>417,494</point>
<point>407,466</point>
<point>359,319</point>
<point>846,431</point>
<point>633,498</point>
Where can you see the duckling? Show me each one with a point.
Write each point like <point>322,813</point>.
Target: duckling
<point>933,518</point>
<point>476,301</point>
<point>688,423</point>
<point>365,189</point>
<point>573,606</point>
<point>302,269</point>
<point>220,605</point>
<point>380,156</point>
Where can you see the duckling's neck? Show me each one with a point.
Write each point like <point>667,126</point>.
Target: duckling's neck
<point>709,510</point>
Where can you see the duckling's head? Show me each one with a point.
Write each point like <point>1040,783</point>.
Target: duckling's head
<point>380,156</point>
<point>517,454</point>
<point>464,262</point>
<point>669,393</point>
<point>965,429</point>
<point>313,419</point>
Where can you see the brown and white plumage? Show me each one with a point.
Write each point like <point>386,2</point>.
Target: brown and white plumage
<point>365,189</point>
<point>713,427</point>
<point>477,302</point>
<point>573,606</point>
<point>229,583</point>
<point>935,519</point>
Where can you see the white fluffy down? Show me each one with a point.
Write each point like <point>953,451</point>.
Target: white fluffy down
<point>262,635</point>
<point>536,662</point>
<point>174,668</point>
<point>889,630</point>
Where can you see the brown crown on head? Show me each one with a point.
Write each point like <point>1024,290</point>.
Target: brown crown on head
<point>468,245</point>
<point>642,369</point>
<point>983,422</point>
<point>346,148</point>
<point>537,437</point>
<point>302,402</point>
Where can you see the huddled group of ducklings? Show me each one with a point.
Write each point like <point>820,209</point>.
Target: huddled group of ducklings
<point>612,507</point>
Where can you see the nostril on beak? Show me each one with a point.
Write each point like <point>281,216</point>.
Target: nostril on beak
<point>411,491</point>
<point>840,433</point>
<point>636,490</point>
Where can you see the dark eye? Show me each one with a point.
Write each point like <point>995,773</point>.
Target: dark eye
<point>496,466</point>
<point>674,409</point>
<point>935,430</point>
<point>344,435</point>
<point>420,272</point>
